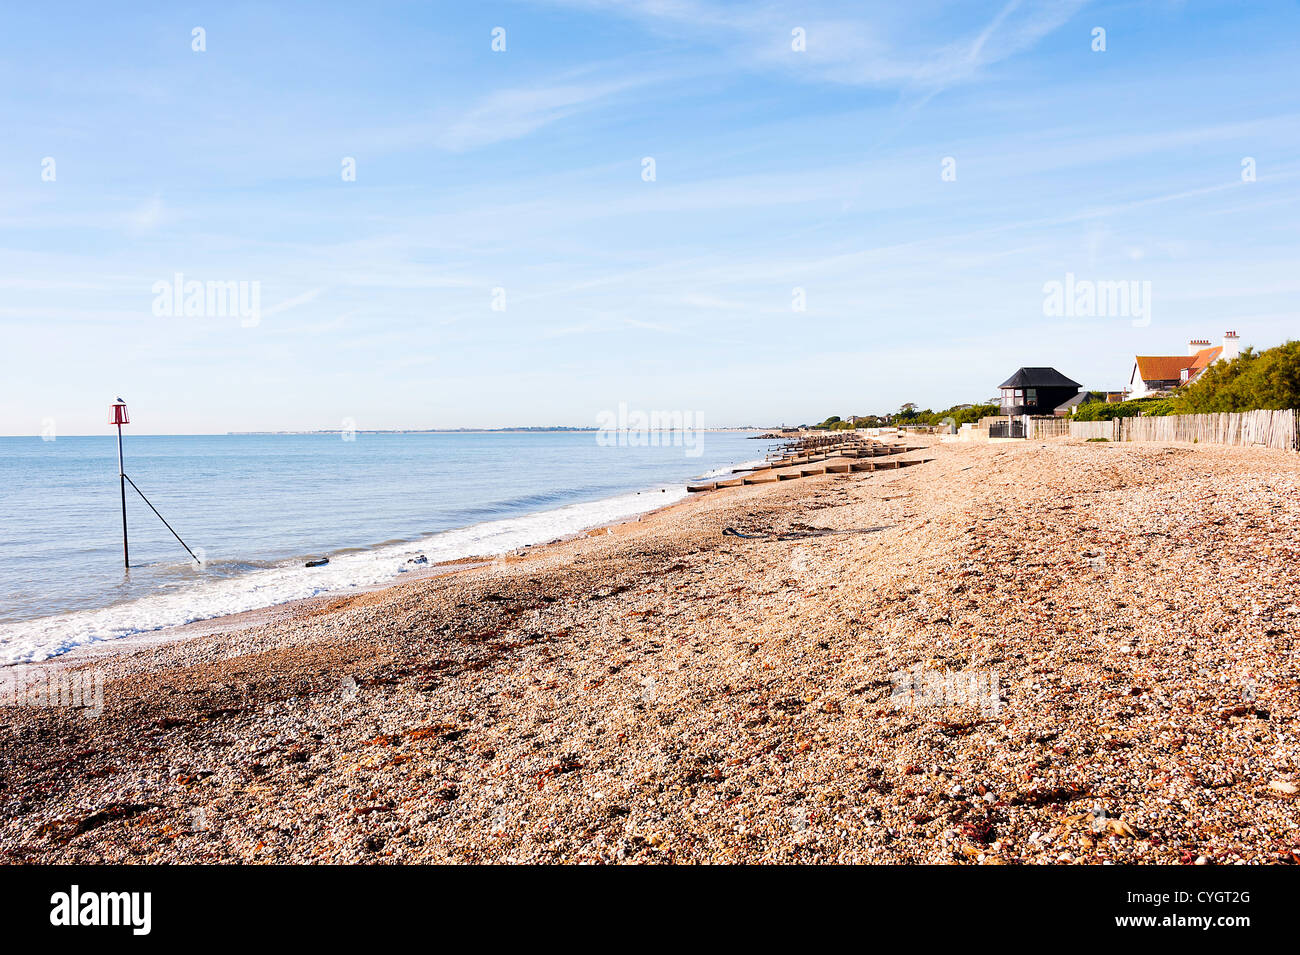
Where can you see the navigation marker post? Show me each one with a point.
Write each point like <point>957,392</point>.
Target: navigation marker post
<point>120,418</point>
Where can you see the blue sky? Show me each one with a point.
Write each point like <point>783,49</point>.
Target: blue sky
<point>521,170</point>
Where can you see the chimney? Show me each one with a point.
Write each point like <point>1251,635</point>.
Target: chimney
<point>1231,346</point>
<point>1196,344</point>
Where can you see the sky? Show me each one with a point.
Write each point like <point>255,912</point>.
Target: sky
<point>757,213</point>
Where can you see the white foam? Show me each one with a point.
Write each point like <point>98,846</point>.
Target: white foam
<point>31,641</point>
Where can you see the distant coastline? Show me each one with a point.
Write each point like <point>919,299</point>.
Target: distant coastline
<point>548,430</point>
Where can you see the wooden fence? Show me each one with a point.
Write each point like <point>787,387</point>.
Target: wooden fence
<point>1110,430</point>
<point>1270,429</point>
<point>1046,427</point>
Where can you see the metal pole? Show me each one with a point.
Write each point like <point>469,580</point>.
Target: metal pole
<point>121,480</point>
<point>164,520</point>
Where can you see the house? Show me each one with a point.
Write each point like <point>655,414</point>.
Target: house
<point>1068,408</point>
<point>1161,374</point>
<point>1036,391</point>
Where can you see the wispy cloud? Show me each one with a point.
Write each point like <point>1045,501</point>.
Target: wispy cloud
<point>148,216</point>
<point>817,170</point>
<point>515,113</point>
<point>892,46</point>
<point>291,303</point>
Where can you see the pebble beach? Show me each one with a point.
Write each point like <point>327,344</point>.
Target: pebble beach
<point>1056,652</point>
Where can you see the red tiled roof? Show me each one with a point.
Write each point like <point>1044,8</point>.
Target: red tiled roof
<point>1204,359</point>
<point>1163,367</point>
<point>1170,367</point>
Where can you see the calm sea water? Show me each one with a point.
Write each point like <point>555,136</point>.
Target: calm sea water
<point>255,507</point>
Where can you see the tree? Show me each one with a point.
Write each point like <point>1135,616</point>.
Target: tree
<point>1268,379</point>
<point>957,414</point>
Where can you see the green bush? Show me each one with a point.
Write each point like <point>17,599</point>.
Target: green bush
<point>1101,411</point>
<point>909,415</point>
<point>959,416</point>
<point>1267,379</point>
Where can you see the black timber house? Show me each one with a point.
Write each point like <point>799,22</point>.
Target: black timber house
<point>1036,391</point>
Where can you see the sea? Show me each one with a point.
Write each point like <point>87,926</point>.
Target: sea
<point>256,508</point>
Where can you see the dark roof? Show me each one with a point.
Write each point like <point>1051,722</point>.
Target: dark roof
<point>1038,378</point>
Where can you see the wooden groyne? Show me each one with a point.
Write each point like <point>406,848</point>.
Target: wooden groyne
<point>810,457</point>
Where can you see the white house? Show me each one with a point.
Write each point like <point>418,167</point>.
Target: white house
<point>1159,374</point>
